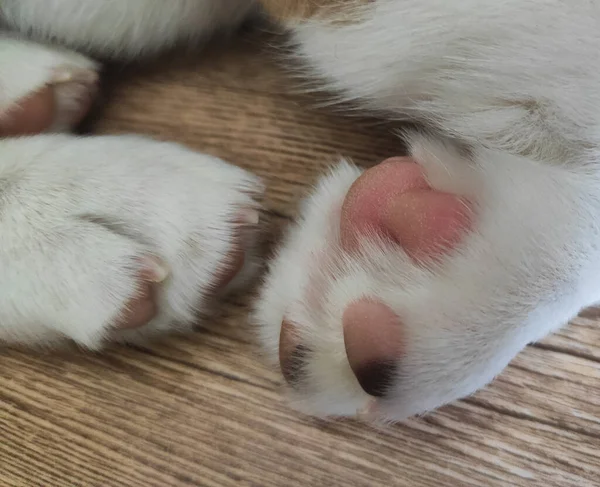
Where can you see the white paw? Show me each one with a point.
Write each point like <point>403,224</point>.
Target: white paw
<point>414,283</point>
<point>100,234</point>
<point>44,89</point>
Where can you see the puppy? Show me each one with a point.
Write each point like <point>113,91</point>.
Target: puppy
<point>399,288</point>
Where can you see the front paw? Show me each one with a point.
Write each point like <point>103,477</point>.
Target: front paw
<point>416,282</point>
<point>120,238</point>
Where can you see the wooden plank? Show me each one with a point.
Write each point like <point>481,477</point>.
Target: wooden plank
<point>203,408</point>
<point>580,338</point>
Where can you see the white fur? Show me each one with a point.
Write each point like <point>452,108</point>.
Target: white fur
<point>79,213</point>
<point>515,75</point>
<point>114,28</point>
<point>509,90</point>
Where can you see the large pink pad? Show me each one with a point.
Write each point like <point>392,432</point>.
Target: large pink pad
<point>393,200</point>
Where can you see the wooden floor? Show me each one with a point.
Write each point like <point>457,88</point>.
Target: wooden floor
<point>205,411</point>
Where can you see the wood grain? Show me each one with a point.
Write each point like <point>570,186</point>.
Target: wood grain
<point>205,410</point>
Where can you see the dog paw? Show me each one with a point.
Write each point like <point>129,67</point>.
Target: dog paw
<point>119,238</point>
<point>44,89</point>
<point>414,283</point>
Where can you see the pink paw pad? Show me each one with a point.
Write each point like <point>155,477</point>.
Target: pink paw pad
<point>373,336</point>
<point>393,200</point>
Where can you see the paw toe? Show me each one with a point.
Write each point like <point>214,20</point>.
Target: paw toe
<point>62,103</point>
<point>292,353</point>
<point>142,307</point>
<point>236,259</point>
<point>374,341</point>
